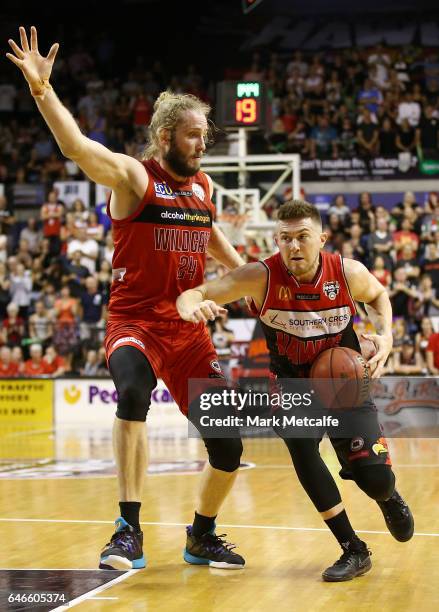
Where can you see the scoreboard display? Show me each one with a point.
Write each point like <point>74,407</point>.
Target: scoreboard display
<point>241,104</point>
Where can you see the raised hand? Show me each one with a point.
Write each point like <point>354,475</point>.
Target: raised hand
<point>36,68</point>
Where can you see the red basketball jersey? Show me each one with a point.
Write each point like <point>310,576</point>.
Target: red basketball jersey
<point>302,319</point>
<point>160,250</point>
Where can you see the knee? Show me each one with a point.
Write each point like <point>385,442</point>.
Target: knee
<point>132,404</point>
<point>225,453</point>
<point>377,481</point>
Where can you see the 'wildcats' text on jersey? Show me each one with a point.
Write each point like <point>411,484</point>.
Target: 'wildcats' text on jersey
<point>300,320</point>
<point>160,250</point>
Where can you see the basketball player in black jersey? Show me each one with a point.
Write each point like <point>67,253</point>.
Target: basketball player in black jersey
<point>306,270</point>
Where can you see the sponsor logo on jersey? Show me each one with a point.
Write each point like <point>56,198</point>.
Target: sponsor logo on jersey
<point>274,321</point>
<point>162,190</point>
<point>128,339</point>
<point>185,216</point>
<point>284,293</point>
<point>331,289</point>
<point>216,366</point>
<point>314,297</point>
<point>356,444</point>
<point>198,191</point>
<point>380,447</point>
<point>309,324</point>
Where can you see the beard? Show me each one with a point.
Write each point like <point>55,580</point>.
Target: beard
<point>179,162</point>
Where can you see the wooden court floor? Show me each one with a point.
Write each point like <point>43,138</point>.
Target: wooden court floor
<point>58,513</point>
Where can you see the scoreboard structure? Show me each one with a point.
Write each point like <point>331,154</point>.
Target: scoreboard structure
<point>241,104</point>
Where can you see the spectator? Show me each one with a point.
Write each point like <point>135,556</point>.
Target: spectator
<point>427,134</point>
<point>8,368</point>
<point>340,208</point>
<point>65,310</point>
<point>380,271</point>
<point>380,242</point>
<point>298,140</point>
<point>423,336</point>
<point>17,357</point>
<point>405,236</point>
<point>87,246</point>
<point>401,292</point>
<point>32,234</point>
<point>93,309</point>
<point>79,212</point>
<point>40,324</point>
<point>7,221</point>
<point>23,254</point>
<point>51,215</point>
<point>5,294</point>
<point>429,263</point>
<point>365,211</point>
<point>409,360</point>
<point>278,137</point>
<point>92,365</point>
<point>94,229</point>
<point>54,364</point>
<point>430,227</point>
<point>370,97</point>
<point>405,137</point>
<point>20,288</point>
<point>409,262</point>
<point>35,366</point>
<point>409,109</point>
<point>427,301</point>
<point>75,274</point>
<point>387,138</point>
<point>407,207</point>
<point>347,140</point>
<point>323,139</point>
<point>433,355</point>
<point>367,138</point>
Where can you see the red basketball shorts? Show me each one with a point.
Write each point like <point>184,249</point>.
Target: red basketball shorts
<point>176,350</point>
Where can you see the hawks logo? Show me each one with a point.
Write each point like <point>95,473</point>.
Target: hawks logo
<point>198,191</point>
<point>331,289</point>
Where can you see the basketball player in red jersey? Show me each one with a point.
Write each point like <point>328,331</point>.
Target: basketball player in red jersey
<point>305,301</point>
<point>162,214</point>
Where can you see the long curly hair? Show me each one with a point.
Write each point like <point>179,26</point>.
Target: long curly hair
<point>168,109</point>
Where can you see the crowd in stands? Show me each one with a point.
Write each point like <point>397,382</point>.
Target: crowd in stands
<point>55,267</point>
<point>342,103</point>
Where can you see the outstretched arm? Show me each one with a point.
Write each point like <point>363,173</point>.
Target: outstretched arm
<point>201,303</point>
<point>366,288</point>
<point>120,172</point>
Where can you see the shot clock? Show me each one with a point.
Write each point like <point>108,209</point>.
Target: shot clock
<point>241,104</point>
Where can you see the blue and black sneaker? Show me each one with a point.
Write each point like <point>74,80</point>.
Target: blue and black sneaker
<point>124,551</point>
<point>212,550</point>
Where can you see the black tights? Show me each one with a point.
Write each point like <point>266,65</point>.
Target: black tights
<point>377,481</point>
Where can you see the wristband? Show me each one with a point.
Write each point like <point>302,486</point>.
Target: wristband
<point>40,91</point>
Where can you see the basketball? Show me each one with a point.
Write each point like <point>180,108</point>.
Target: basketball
<point>341,378</point>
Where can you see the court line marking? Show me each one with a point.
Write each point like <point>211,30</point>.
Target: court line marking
<point>96,591</point>
<point>234,526</point>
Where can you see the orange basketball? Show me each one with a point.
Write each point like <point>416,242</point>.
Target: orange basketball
<point>341,378</point>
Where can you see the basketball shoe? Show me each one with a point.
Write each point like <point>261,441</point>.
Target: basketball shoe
<point>124,550</point>
<point>398,517</point>
<point>354,562</point>
<point>211,549</point>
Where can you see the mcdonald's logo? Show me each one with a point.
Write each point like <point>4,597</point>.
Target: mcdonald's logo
<point>284,293</point>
